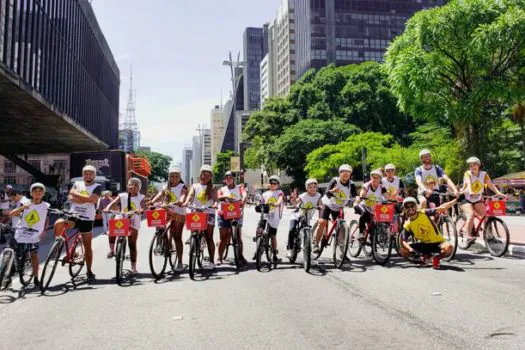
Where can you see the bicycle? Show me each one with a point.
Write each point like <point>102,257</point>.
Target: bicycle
<point>304,231</point>
<point>5,230</point>
<point>74,250</point>
<point>232,213</point>
<point>120,227</point>
<point>161,244</point>
<point>20,255</point>
<point>263,239</point>
<point>197,223</point>
<point>339,233</point>
<point>495,233</point>
<point>378,233</point>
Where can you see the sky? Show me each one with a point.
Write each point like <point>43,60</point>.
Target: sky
<point>176,49</point>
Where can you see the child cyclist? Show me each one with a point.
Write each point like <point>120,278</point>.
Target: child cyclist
<point>33,216</point>
<point>371,193</point>
<point>234,193</point>
<point>202,194</point>
<point>132,200</point>
<point>274,197</point>
<point>174,193</point>
<point>308,200</point>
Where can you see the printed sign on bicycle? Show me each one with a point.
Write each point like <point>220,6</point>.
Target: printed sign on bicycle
<point>196,221</point>
<point>118,227</point>
<point>156,218</point>
<point>231,210</point>
<point>496,208</point>
<point>384,212</point>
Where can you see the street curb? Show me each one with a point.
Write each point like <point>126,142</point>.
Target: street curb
<point>517,251</point>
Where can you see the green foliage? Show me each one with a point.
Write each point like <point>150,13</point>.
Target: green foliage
<point>222,165</point>
<point>505,154</point>
<point>462,64</point>
<point>160,164</point>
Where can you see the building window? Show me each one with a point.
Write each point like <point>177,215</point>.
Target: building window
<point>9,167</point>
<point>9,180</point>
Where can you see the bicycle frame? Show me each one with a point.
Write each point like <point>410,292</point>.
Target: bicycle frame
<point>67,239</point>
<point>335,223</point>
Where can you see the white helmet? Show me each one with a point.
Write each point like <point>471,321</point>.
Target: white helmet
<point>206,167</point>
<point>424,152</point>
<point>174,170</point>
<point>275,178</point>
<point>474,160</point>
<point>376,172</point>
<point>345,167</point>
<point>310,181</point>
<point>390,166</point>
<point>89,168</point>
<point>37,185</point>
<point>409,200</point>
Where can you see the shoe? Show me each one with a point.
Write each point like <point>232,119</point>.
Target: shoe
<point>470,241</point>
<point>188,241</point>
<point>111,254</point>
<point>179,267</point>
<point>276,259</point>
<point>36,282</point>
<point>90,276</point>
<point>134,270</point>
<point>243,261</point>
<point>289,253</point>
<point>315,249</point>
<point>219,262</point>
<point>210,266</point>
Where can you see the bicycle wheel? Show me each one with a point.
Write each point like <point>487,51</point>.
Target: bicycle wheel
<point>381,244</point>
<point>194,254</point>
<point>50,265</point>
<point>295,248</point>
<point>341,240</point>
<point>354,245</point>
<point>25,268</point>
<point>235,246</point>
<point>307,248</point>
<point>314,230</point>
<point>461,229</point>
<point>171,251</point>
<point>4,266</point>
<point>497,237</point>
<point>367,246</point>
<point>157,255</point>
<point>120,257</point>
<point>449,231</point>
<point>76,263</point>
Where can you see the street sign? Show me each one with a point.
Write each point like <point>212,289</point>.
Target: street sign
<point>235,164</point>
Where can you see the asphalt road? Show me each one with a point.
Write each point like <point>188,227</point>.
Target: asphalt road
<point>476,302</point>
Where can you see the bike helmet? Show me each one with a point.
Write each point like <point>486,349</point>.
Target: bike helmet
<point>274,178</point>
<point>206,167</point>
<point>228,173</point>
<point>409,200</point>
<point>345,167</point>
<point>310,181</point>
<point>474,160</point>
<point>174,170</point>
<point>390,167</point>
<point>376,172</point>
<point>424,152</point>
<point>37,185</point>
<point>89,168</point>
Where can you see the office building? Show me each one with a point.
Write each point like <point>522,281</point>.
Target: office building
<point>187,157</point>
<point>266,79</point>
<point>206,146</point>
<point>348,31</point>
<point>255,47</point>
<point>217,122</point>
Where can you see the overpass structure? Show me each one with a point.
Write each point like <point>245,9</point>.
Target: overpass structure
<point>59,82</point>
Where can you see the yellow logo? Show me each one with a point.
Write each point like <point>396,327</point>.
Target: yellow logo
<point>384,209</point>
<point>476,187</point>
<point>424,230</point>
<point>371,200</point>
<point>133,207</point>
<point>32,218</point>
<point>232,195</point>
<point>496,205</point>
<point>172,198</point>
<point>231,207</point>
<point>202,197</point>
<point>155,215</point>
<point>195,218</point>
<point>84,193</point>
<point>391,189</point>
<point>119,224</point>
<point>272,201</point>
<point>339,196</point>
<point>308,205</point>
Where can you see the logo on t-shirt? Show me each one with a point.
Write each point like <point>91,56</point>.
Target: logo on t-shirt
<point>271,202</point>
<point>32,218</point>
<point>339,197</point>
<point>202,197</point>
<point>476,186</point>
<point>308,206</point>
<point>371,200</point>
<point>172,198</point>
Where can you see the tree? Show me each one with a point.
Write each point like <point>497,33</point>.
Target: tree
<point>222,165</point>
<point>462,64</point>
<point>518,115</point>
<point>160,164</point>
<point>290,150</point>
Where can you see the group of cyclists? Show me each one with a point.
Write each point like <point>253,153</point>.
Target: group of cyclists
<point>31,215</point>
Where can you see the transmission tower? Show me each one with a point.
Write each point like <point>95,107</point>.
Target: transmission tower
<point>129,132</point>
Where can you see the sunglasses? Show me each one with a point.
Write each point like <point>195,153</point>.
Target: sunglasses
<point>274,183</point>
<point>410,206</point>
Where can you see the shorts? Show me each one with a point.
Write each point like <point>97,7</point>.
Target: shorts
<point>211,219</point>
<point>327,212</point>
<point>31,247</point>
<point>223,223</point>
<point>178,218</point>
<point>84,226</point>
<point>427,248</point>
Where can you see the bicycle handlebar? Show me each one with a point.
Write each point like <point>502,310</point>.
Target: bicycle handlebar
<point>199,209</point>
<point>125,214</point>
<point>67,214</point>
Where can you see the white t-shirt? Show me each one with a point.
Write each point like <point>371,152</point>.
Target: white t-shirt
<point>338,200</point>
<point>134,204</point>
<point>4,201</point>
<point>34,218</point>
<point>175,193</point>
<point>235,194</point>
<point>23,201</point>
<point>86,209</point>
<point>308,202</point>
<point>200,198</point>
<point>274,216</point>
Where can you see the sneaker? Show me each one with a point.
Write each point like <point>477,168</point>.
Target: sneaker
<point>36,282</point>
<point>134,270</point>
<point>210,266</point>
<point>188,241</point>
<point>90,276</point>
<point>219,262</point>
<point>289,253</point>
<point>243,261</point>
<point>179,267</point>
<point>470,241</point>
<point>276,259</point>
<point>315,249</point>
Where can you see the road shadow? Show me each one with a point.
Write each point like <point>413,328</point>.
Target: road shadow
<point>7,299</point>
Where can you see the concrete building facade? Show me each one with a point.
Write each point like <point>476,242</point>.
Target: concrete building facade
<point>206,147</point>
<point>217,122</point>
<point>50,164</point>
<point>187,157</point>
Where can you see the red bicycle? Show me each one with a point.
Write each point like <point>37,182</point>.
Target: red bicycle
<point>495,233</point>
<point>339,233</point>
<point>74,250</point>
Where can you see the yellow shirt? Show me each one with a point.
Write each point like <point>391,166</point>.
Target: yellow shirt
<point>423,228</point>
